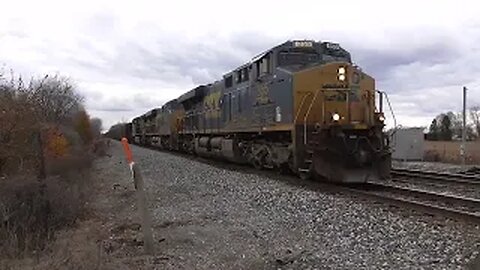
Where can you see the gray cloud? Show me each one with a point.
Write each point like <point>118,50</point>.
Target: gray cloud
<point>139,70</point>
<point>173,59</point>
<point>383,61</point>
<point>139,101</point>
<point>417,78</point>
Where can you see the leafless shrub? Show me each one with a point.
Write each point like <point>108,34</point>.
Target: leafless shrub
<point>69,165</point>
<point>26,109</point>
<point>18,125</point>
<point>55,99</point>
<point>96,127</point>
<point>100,147</point>
<point>44,129</point>
<point>475,116</point>
<point>31,211</point>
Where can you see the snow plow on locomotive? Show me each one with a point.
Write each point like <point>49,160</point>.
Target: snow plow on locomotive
<point>300,106</point>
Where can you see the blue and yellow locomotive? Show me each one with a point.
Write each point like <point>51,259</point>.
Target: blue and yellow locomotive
<point>300,106</point>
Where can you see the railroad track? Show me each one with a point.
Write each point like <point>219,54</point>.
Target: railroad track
<point>455,207</point>
<point>429,202</point>
<point>438,176</point>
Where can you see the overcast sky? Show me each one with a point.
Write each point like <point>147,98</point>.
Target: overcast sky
<point>130,57</point>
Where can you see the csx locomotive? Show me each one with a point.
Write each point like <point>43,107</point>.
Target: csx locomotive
<point>301,106</point>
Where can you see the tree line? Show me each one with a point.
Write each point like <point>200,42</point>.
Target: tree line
<point>32,113</point>
<point>449,126</point>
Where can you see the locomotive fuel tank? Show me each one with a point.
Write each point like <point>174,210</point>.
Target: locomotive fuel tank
<point>218,147</point>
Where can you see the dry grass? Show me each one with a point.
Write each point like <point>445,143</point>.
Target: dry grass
<point>76,248</point>
<point>32,211</point>
<point>449,151</point>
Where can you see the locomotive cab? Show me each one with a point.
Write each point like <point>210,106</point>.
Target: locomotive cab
<point>338,131</point>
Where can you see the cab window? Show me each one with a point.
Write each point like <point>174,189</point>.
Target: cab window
<point>242,75</point>
<point>264,65</point>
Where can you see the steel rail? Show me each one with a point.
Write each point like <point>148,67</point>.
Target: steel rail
<point>384,193</point>
<point>437,176</point>
<point>430,195</point>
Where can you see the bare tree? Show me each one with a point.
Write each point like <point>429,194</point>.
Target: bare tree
<point>55,98</point>
<point>96,126</point>
<point>25,109</point>
<point>16,120</point>
<point>475,115</point>
<point>456,124</point>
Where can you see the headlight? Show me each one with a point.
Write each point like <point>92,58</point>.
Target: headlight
<point>381,118</point>
<point>341,70</point>
<point>341,77</point>
<point>336,117</point>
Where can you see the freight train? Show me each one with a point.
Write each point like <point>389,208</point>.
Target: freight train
<point>302,106</point>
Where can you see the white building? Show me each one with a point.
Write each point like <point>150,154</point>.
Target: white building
<point>408,144</point>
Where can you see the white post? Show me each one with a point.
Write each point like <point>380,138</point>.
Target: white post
<point>141,199</point>
<point>142,209</point>
<point>464,129</point>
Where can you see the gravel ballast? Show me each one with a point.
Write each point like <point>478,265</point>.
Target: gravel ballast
<point>211,217</point>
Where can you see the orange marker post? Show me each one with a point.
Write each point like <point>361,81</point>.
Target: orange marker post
<point>128,152</point>
<point>141,199</point>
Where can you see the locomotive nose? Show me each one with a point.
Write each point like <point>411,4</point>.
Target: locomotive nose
<point>362,157</point>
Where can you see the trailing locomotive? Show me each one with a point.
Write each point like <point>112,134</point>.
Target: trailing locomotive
<point>300,106</point>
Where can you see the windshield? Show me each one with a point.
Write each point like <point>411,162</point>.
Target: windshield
<point>334,53</point>
<point>297,58</point>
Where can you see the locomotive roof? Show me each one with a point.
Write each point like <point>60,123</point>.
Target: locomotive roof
<point>171,102</point>
<point>289,45</point>
<point>201,90</point>
<point>152,112</point>
<point>197,92</point>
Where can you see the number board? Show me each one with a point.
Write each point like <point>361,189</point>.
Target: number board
<point>332,46</point>
<point>303,44</point>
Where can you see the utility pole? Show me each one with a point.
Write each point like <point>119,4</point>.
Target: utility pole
<point>464,129</point>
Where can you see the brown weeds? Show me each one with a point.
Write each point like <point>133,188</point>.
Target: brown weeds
<point>46,142</point>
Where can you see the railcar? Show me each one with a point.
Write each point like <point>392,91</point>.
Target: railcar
<point>119,131</point>
<point>302,106</point>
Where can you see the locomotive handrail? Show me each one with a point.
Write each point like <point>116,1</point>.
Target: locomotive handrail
<point>301,105</point>
<point>391,110</point>
<point>347,104</point>
<point>306,116</point>
<point>383,93</point>
<point>395,126</point>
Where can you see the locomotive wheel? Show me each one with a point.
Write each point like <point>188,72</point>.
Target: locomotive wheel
<point>257,164</point>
